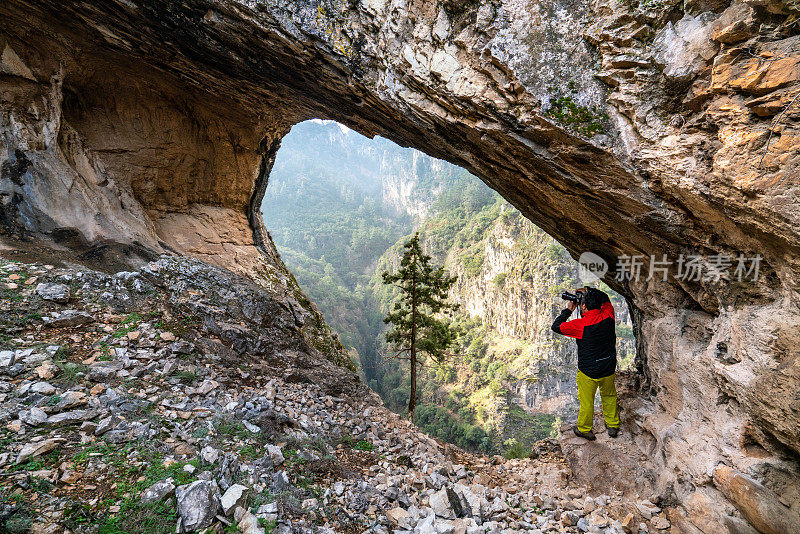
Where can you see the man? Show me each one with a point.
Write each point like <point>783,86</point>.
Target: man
<point>596,336</point>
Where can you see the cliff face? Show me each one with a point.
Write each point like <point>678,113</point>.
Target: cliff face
<point>514,289</point>
<point>156,123</point>
<point>514,293</point>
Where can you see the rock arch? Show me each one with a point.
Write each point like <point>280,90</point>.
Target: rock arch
<point>156,123</point>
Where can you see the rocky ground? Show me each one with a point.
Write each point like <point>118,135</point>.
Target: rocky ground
<point>128,406</point>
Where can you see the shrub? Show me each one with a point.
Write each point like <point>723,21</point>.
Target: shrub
<point>515,449</point>
<point>500,280</point>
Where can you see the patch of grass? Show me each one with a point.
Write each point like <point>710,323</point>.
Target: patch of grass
<point>18,524</point>
<point>18,517</point>
<point>77,514</point>
<point>155,518</point>
<point>251,452</point>
<point>105,352</point>
<point>71,373</point>
<point>268,526</point>
<point>129,324</point>
<point>135,479</point>
<point>34,464</point>
<point>5,339</point>
<point>308,482</point>
<point>347,441</point>
<point>364,445</point>
<point>13,295</point>
<point>293,457</point>
<point>41,485</point>
<point>232,428</point>
<point>199,432</point>
<point>100,448</point>
<point>455,8</point>
<point>257,500</point>
<point>186,377</point>
<point>180,325</point>
<point>318,444</point>
<point>63,353</point>
<point>6,438</point>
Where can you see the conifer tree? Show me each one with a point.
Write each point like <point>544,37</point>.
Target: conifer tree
<point>419,328</point>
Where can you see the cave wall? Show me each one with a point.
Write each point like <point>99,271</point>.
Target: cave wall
<point>154,123</point>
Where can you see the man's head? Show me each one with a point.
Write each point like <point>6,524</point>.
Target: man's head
<point>592,299</point>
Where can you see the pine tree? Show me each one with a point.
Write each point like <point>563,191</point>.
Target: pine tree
<point>419,328</point>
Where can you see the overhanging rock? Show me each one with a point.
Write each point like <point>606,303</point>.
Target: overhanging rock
<point>624,131</point>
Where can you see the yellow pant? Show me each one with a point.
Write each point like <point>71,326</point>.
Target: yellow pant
<point>587,387</point>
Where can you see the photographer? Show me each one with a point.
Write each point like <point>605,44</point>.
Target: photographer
<point>596,336</point>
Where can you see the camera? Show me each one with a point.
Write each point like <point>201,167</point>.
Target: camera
<point>577,298</point>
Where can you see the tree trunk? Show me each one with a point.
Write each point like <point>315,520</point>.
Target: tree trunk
<point>412,397</point>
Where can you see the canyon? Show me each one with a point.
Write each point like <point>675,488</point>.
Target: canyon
<point>133,128</point>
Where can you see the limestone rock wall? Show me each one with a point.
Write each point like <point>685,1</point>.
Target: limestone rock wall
<point>154,123</point>
<point>514,293</point>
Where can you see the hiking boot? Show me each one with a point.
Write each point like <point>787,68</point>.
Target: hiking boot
<point>612,432</point>
<point>585,435</point>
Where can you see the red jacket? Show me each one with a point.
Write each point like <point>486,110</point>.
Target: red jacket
<point>596,336</point>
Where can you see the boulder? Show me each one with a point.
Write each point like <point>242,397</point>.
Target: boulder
<point>68,318</point>
<point>445,503</point>
<point>182,347</point>
<point>275,454</point>
<point>234,496</point>
<point>55,292</point>
<point>398,515</point>
<point>32,450</point>
<point>209,454</point>
<point>72,399</point>
<point>7,358</point>
<point>71,417</point>
<point>684,49</point>
<point>158,491</point>
<point>248,524</point>
<point>45,388</point>
<point>33,417</point>
<point>101,371</point>
<point>760,505</point>
<point>198,504</point>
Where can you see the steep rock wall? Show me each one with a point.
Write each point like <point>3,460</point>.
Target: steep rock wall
<point>155,122</point>
<point>514,293</point>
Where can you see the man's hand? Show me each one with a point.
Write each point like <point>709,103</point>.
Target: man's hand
<point>571,305</point>
<point>581,289</point>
